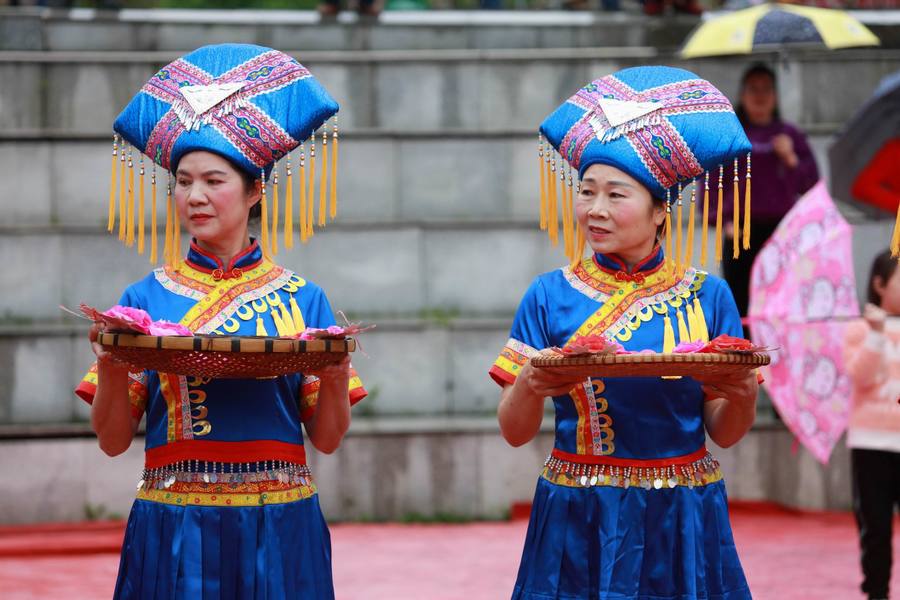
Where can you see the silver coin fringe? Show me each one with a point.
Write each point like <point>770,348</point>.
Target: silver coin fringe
<point>671,476</point>
<point>201,471</point>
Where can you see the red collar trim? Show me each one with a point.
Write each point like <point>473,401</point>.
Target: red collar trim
<point>635,274</point>
<point>219,273</point>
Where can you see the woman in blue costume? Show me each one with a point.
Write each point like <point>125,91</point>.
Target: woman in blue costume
<point>630,505</point>
<point>226,506</point>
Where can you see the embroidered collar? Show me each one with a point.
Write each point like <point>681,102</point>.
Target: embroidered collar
<point>615,266</point>
<point>201,260</point>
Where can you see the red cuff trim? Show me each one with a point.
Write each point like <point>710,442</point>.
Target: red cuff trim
<point>759,378</point>
<point>590,459</point>
<point>307,413</point>
<point>357,394</point>
<point>86,391</point>
<point>501,377</point>
<point>224,452</point>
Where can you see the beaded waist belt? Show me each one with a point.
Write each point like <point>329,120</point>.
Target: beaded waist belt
<point>225,473</point>
<point>578,470</point>
<point>198,471</point>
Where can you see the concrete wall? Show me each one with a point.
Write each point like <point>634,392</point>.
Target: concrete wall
<point>436,238</point>
<point>396,469</point>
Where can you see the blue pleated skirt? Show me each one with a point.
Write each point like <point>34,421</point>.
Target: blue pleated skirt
<point>270,552</point>
<point>612,543</point>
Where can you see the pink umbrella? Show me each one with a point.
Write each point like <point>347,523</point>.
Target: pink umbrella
<point>802,290</point>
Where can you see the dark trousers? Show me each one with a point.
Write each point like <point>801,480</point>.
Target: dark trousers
<point>736,271</point>
<point>876,491</point>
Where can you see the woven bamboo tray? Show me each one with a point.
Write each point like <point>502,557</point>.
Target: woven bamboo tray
<point>654,365</point>
<point>227,357</point>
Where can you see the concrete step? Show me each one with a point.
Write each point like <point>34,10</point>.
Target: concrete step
<point>81,93</point>
<point>428,467</point>
<point>174,29</point>
<point>384,179</point>
<point>410,367</point>
<point>179,30</point>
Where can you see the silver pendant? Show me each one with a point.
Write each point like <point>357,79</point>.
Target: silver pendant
<point>170,481</point>
<point>627,483</point>
<point>645,483</point>
<point>584,481</point>
<point>672,482</point>
<point>657,483</point>
<point>593,480</point>
<point>206,478</point>
<point>140,484</point>
<point>213,478</point>
<point>614,481</point>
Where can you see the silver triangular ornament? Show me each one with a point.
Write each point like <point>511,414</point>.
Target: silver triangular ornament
<point>204,97</point>
<point>619,112</point>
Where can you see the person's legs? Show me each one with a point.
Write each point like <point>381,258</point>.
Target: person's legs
<point>873,506</point>
<point>329,8</point>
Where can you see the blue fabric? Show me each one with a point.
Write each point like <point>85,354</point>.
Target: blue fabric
<point>279,107</point>
<point>270,552</point>
<point>551,311</point>
<point>695,115</point>
<point>276,413</point>
<point>611,543</point>
<point>606,542</point>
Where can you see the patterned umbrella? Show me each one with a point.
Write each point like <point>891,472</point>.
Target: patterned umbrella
<point>802,291</point>
<point>773,26</point>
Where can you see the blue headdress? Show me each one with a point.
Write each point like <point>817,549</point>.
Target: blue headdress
<point>666,127</point>
<point>249,104</point>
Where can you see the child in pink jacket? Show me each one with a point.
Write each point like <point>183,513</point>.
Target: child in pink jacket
<point>873,361</point>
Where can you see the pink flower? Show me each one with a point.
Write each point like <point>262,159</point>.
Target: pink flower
<point>135,319</point>
<point>689,347</point>
<point>336,330</point>
<point>163,327</point>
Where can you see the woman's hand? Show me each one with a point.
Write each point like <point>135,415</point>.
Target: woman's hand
<point>547,381</point>
<point>339,370</point>
<point>737,387</point>
<point>331,418</point>
<point>521,408</point>
<point>105,360</point>
<point>875,316</point>
<point>783,146</point>
<point>111,416</point>
<point>730,406</point>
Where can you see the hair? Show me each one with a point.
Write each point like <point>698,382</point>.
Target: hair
<point>883,268</point>
<point>661,229</point>
<point>752,71</point>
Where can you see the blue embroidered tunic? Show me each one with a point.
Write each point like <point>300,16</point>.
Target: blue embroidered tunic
<point>629,505</point>
<point>226,507</point>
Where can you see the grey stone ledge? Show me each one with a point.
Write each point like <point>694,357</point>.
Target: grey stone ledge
<point>313,57</point>
<point>21,135</point>
<point>451,322</point>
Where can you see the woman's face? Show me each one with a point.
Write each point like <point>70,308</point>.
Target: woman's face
<point>890,292</point>
<point>212,200</point>
<point>758,98</point>
<point>617,213</point>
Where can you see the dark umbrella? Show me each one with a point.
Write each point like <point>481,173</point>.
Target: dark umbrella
<point>877,121</point>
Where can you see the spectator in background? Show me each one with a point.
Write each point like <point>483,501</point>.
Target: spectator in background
<point>366,8</point>
<point>874,432</point>
<point>783,169</point>
<point>879,183</point>
<point>658,7</point>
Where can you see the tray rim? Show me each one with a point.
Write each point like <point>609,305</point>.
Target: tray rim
<point>754,359</point>
<point>220,343</point>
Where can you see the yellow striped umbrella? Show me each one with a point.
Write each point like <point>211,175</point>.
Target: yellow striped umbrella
<point>772,26</point>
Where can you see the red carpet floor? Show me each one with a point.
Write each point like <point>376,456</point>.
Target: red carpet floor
<point>786,555</point>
